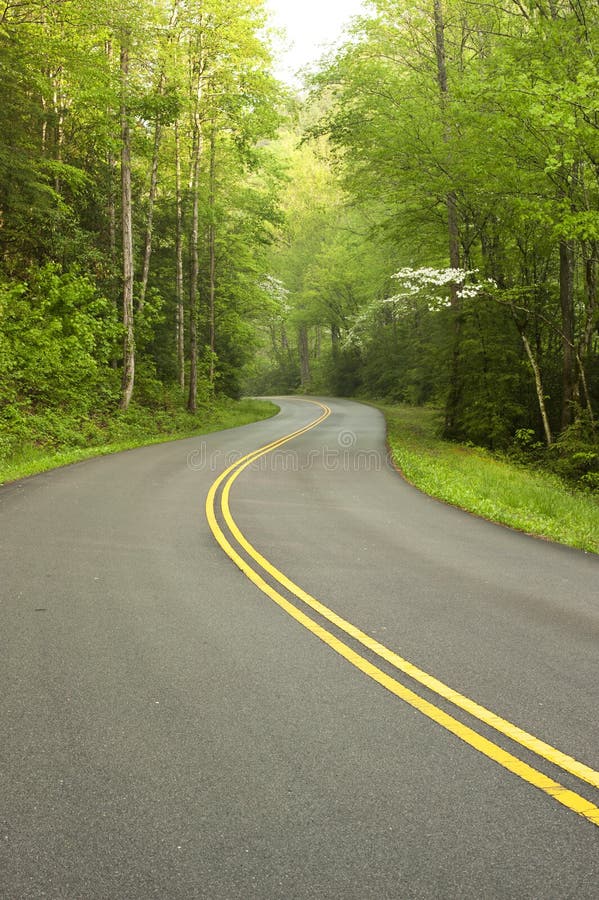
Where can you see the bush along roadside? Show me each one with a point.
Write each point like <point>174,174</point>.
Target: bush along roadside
<point>500,489</point>
<point>46,440</point>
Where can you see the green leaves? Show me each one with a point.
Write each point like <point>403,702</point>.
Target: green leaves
<point>55,324</point>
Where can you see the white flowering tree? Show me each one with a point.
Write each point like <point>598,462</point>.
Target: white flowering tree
<point>434,286</point>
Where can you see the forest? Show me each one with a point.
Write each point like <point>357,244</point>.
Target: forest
<point>419,224</point>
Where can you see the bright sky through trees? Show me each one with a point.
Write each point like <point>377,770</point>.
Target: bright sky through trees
<point>310,26</point>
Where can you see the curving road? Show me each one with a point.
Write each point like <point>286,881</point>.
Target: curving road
<point>302,679</point>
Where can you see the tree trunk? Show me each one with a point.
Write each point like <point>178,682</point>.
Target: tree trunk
<point>334,340</point>
<point>442,82</point>
<point>454,394</point>
<point>149,224</point>
<point>566,292</point>
<point>194,247</point>
<point>153,185</point>
<point>591,310</point>
<point>212,253</point>
<point>585,388</point>
<point>539,388</point>
<point>193,284</point>
<point>179,265</point>
<point>317,342</point>
<point>127,233</point>
<point>58,104</point>
<point>44,125</point>
<point>111,162</point>
<point>304,355</point>
<point>111,165</point>
<point>285,345</point>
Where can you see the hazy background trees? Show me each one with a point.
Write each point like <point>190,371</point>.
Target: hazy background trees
<point>462,135</point>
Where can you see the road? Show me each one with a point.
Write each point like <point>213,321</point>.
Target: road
<point>281,683</point>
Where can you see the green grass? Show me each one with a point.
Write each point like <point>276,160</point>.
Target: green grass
<point>526,499</point>
<point>138,427</point>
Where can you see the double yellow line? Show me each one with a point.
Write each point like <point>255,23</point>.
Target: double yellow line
<point>257,564</point>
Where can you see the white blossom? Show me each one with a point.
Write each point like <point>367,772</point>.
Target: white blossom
<point>469,290</point>
<point>274,287</point>
<point>425,281</point>
<point>425,287</point>
<point>425,276</point>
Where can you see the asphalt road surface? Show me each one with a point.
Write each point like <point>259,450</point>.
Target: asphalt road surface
<point>181,719</point>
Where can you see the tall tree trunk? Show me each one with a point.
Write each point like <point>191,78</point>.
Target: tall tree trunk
<point>304,355</point>
<point>193,282</point>
<point>334,340</point>
<point>111,191</point>
<point>145,274</point>
<point>317,342</point>
<point>585,389</point>
<point>44,125</point>
<point>127,233</point>
<point>194,245</point>
<point>454,394</point>
<point>111,165</point>
<point>443,85</point>
<point>590,271</point>
<point>566,292</point>
<point>179,265</point>
<point>153,182</point>
<point>212,253</point>
<point>58,104</point>
<point>285,345</point>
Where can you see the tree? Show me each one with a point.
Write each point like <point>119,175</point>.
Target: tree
<point>477,123</point>
<point>95,89</point>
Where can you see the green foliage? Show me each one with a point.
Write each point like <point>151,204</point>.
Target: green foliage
<point>575,455</point>
<point>195,71</point>
<point>493,385</point>
<point>57,337</point>
<point>509,144</point>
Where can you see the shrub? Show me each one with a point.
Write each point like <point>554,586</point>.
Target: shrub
<point>57,336</point>
<point>575,454</point>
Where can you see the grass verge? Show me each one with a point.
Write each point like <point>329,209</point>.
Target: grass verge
<point>472,478</point>
<point>137,427</point>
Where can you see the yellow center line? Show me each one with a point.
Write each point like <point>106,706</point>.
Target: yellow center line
<point>563,795</point>
<point>553,755</point>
